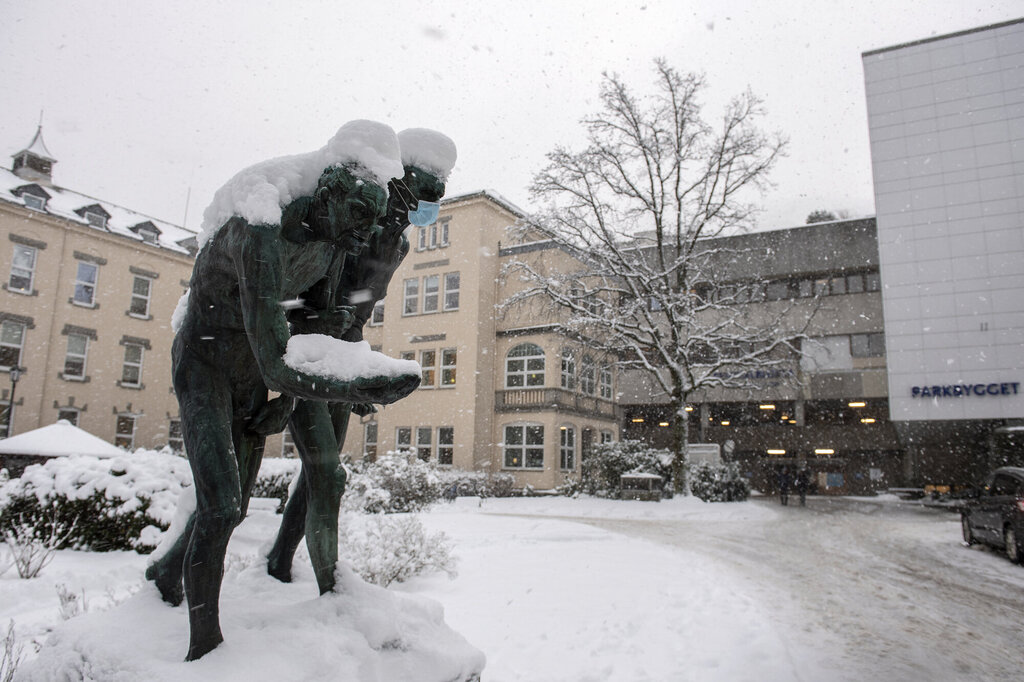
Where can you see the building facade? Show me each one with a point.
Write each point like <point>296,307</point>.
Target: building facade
<point>85,309</point>
<point>946,123</point>
<point>502,390</point>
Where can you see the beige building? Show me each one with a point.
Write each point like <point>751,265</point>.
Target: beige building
<point>502,390</point>
<point>85,309</point>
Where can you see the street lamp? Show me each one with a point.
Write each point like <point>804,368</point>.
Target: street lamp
<point>15,373</point>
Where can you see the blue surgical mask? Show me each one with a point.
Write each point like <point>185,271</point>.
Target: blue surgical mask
<point>425,213</point>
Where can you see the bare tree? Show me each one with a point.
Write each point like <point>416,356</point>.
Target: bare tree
<point>639,208</point>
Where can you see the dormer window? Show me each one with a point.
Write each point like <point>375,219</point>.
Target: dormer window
<point>34,202</point>
<point>96,219</point>
<point>148,236</point>
<point>149,232</point>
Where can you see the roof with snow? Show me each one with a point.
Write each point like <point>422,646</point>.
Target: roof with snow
<point>58,440</point>
<point>69,205</point>
<point>37,147</point>
<point>486,194</point>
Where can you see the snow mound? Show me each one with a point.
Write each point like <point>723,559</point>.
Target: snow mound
<point>259,192</point>
<point>326,356</point>
<point>428,149</point>
<point>360,632</point>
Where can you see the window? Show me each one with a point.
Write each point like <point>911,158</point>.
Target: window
<point>872,281</point>
<point>567,447</point>
<point>855,284</point>
<point>449,356</point>
<point>141,290</point>
<point>568,370</point>
<point>370,441</point>
<point>36,203</point>
<point>524,366</point>
<point>421,238</point>
<point>5,418</point>
<point>403,438</point>
<point>445,445</point>
<point>867,345</point>
<point>431,293</point>
<point>85,284</point>
<point>175,439</point>
<point>607,437</point>
<point>125,432</point>
<point>69,414</point>
<point>410,305</point>
<point>524,446</point>
<point>74,360</point>
<point>428,361</point>
<point>433,236</point>
<point>148,236</point>
<point>377,316</point>
<point>96,219</point>
<point>407,355</point>
<point>423,442</point>
<point>131,372</point>
<point>444,232</point>
<point>605,382</point>
<point>451,291</point>
<point>23,268</point>
<point>587,381</point>
<point>12,340</point>
<point>288,444</point>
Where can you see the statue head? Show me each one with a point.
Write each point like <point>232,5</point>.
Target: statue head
<point>427,159</point>
<point>347,206</point>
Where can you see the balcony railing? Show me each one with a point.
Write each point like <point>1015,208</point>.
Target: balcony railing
<point>515,400</point>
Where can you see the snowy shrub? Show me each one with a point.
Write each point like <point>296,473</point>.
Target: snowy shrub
<point>112,504</point>
<point>11,655</point>
<point>602,469</point>
<point>70,603</point>
<point>32,544</point>
<point>274,478</point>
<point>479,483</point>
<point>718,483</point>
<point>394,483</point>
<point>386,549</point>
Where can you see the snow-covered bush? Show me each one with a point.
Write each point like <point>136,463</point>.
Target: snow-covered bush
<point>718,483</point>
<point>602,469</point>
<point>384,549</point>
<point>274,478</point>
<point>479,483</point>
<point>392,484</point>
<point>32,543</point>
<point>111,504</point>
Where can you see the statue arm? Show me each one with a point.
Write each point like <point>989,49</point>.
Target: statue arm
<point>260,273</point>
<point>373,275</point>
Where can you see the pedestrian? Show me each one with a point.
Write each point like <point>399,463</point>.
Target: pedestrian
<point>784,482</point>
<point>803,480</point>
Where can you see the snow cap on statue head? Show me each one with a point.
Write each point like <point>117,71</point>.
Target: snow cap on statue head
<point>428,149</point>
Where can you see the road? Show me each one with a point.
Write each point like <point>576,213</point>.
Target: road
<point>889,584</point>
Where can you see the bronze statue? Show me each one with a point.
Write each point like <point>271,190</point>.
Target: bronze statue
<point>318,430</point>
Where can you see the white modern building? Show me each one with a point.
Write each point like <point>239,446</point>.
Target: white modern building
<point>946,120</point>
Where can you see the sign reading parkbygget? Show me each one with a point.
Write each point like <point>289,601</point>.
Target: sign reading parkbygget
<point>966,390</point>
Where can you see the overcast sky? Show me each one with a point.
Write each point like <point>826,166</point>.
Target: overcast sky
<point>144,100</point>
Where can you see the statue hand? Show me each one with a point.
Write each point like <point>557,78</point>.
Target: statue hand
<point>334,322</point>
<point>273,416</point>
<point>363,409</point>
<point>381,389</point>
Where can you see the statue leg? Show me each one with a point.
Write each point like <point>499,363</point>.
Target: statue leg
<point>166,571</point>
<point>313,434</point>
<point>293,527</point>
<point>206,424</point>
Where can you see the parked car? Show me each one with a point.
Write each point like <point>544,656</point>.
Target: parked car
<point>995,514</point>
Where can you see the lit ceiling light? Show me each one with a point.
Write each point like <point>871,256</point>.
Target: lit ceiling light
<point>662,423</point>
<point>767,406</point>
<point>688,408</point>
<point>867,420</point>
<point>824,451</point>
<point>858,403</point>
<point>792,421</point>
<point>725,422</point>
<point>637,420</point>
<point>776,452</point>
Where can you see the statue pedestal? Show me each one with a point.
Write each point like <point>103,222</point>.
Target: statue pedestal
<point>360,632</point>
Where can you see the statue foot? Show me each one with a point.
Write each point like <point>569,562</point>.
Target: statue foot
<point>200,647</point>
<point>279,570</point>
<point>171,589</point>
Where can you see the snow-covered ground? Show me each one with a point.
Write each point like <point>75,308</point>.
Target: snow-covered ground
<point>560,589</point>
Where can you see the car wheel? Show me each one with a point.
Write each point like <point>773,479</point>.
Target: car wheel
<point>1012,549</point>
<point>968,533</point>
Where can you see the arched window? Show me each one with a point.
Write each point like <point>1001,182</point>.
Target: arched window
<point>568,369</point>
<point>524,366</point>
<point>588,382</point>
<point>567,447</point>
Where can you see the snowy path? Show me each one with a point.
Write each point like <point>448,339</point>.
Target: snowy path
<point>890,584</point>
